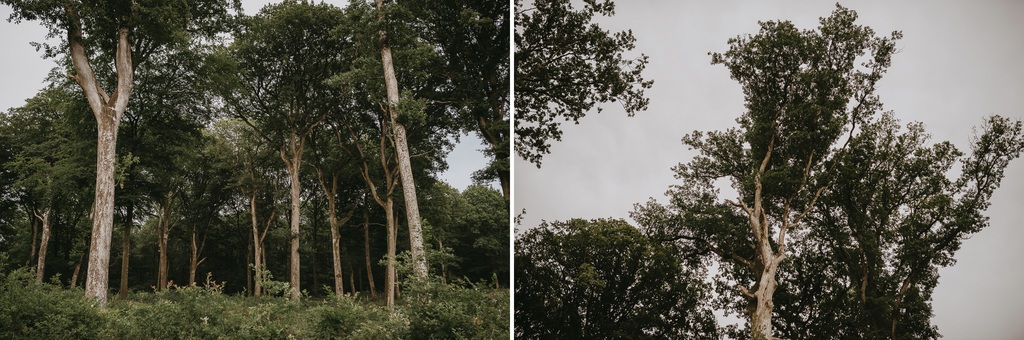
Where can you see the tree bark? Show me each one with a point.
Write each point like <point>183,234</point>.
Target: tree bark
<point>194,260</point>
<point>412,211</point>
<point>107,111</point>
<point>163,235</point>
<point>126,251</point>
<point>294,163</point>
<point>44,217</point>
<point>331,192</point>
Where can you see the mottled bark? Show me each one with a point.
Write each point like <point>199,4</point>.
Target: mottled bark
<point>412,211</point>
<point>291,154</point>
<point>44,218</point>
<point>107,111</point>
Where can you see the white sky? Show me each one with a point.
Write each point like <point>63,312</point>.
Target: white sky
<point>959,61</point>
<point>24,71</point>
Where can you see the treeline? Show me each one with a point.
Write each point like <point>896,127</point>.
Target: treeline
<point>264,153</point>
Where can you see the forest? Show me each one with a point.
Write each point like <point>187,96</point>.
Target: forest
<point>190,171</point>
<point>816,213</point>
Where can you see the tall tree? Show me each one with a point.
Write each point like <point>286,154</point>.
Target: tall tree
<point>285,54</point>
<point>412,212</point>
<point>112,29</point>
<point>565,65</point>
<point>804,91</point>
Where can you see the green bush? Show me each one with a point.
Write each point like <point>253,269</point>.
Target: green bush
<point>349,319</point>
<point>450,311</point>
<point>45,311</point>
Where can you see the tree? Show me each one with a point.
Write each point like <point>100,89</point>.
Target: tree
<point>604,279</point>
<point>803,92</point>
<point>285,55</point>
<point>473,39</point>
<point>412,212</point>
<point>113,29</point>
<point>565,65</point>
<point>44,160</point>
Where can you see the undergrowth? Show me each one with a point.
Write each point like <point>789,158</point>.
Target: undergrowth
<point>428,310</point>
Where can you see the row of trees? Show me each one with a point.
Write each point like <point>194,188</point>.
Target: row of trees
<point>213,114</point>
<point>837,222</point>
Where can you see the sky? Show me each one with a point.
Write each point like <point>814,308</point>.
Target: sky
<point>24,71</point>
<point>958,62</point>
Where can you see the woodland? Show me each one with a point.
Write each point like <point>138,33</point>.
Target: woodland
<point>190,171</point>
<point>819,215</point>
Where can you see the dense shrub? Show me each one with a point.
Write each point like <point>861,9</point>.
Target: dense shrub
<point>44,311</point>
<point>429,310</point>
<point>451,311</point>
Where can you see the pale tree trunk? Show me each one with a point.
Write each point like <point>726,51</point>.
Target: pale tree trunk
<point>44,217</point>
<point>332,216</point>
<point>194,260</point>
<point>126,252</point>
<point>294,163</point>
<point>107,111</point>
<point>163,235</point>
<point>766,263</point>
<point>259,258</point>
<point>387,203</point>
<point>412,211</point>
<point>74,272</point>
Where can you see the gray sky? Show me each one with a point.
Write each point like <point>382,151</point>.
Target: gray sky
<point>958,62</point>
<point>24,72</point>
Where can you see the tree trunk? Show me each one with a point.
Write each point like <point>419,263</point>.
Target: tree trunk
<point>194,260</point>
<point>412,211</point>
<point>35,230</point>
<point>366,247</point>
<point>163,235</point>
<point>107,111</point>
<point>97,275</point>
<point>293,164</point>
<point>44,217</point>
<point>126,251</point>
<point>74,273</point>
<point>761,316</point>
<point>257,264</point>
<point>389,276</point>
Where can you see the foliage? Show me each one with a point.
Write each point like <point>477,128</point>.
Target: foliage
<point>44,311</point>
<point>604,279</point>
<point>565,65</point>
<point>858,225</point>
<point>431,311</point>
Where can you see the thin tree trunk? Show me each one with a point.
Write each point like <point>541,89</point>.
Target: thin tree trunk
<point>389,276</point>
<point>248,269</point>
<point>412,211</point>
<point>366,248</point>
<point>257,264</point>
<point>35,229</point>
<point>163,235</point>
<point>126,251</point>
<point>194,260</point>
<point>351,279</point>
<point>294,163</point>
<point>44,217</point>
<point>74,273</point>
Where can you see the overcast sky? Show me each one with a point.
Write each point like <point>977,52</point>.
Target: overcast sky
<point>959,61</point>
<point>24,71</point>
